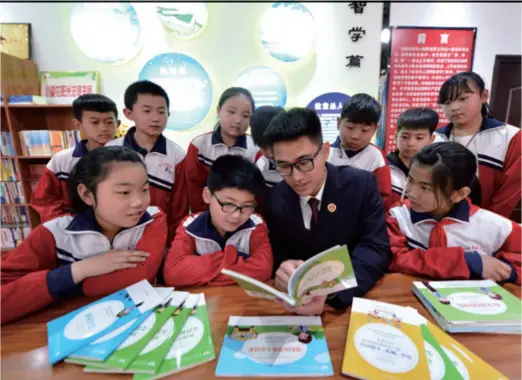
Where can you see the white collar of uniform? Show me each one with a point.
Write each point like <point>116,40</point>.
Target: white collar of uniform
<point>304,199</point>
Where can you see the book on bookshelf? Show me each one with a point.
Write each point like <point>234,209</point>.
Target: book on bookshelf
<point>6,146</point>
<point>470,306</point>
<point>11,193</point>
<point>8,170</point>
<point>47,142</point>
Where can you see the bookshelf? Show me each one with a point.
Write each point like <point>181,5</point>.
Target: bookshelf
<point>20,77</point>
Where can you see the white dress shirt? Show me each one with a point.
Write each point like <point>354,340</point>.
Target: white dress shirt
<point>305,206</point>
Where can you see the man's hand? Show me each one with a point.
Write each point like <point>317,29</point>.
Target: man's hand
<point>316,306</point>
<point>284,272</point>
<point>494,269</point>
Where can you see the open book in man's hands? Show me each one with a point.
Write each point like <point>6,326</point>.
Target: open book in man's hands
<point>325,273</point>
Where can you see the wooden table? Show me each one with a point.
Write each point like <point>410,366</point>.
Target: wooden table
<point>24,350</point>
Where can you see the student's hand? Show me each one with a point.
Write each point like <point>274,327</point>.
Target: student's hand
<point>283,273</point>
<point>107,262</point>
<point>494,269</point>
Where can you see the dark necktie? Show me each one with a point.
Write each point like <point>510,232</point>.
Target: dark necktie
<point>314,205</point>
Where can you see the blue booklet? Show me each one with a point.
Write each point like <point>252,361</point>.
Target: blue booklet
<point>274,346</point>
<point>78,328</point>
<point>101,348</point>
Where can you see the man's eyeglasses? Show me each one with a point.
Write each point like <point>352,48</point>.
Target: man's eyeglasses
<point>304,165</point>
<point>231,208</point>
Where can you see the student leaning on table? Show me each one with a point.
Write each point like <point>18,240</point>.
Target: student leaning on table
<point>319,205</point>
<point>114,240</point>
<point>438,233</point>
<point>226,236</point>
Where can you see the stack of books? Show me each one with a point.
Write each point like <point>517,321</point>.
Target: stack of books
<point>388,341</point>
<point>47,142</point>
<point>471,306</point>
<point>274,346</point>
<point>140,330</point>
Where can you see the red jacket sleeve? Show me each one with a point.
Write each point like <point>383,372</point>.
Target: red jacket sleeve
<point>511,252</point>
<point>153,241</point>
<point>184,267</point>
<point>437,263</point>
<point>384,182</point>
<point>507,194</point>
<point>395,198</point>
<point>25,273</point>
<point>179,207</point>
<point>196,178</point>
<point>48,199</point>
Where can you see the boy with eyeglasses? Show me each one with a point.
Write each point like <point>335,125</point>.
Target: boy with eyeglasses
<point>228,235</point>
<point>318,206</point>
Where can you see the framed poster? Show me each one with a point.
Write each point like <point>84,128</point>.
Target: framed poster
<point>15,39</point>
<point>421,59</point>
<point>329,106</point>
<point>65,86</point>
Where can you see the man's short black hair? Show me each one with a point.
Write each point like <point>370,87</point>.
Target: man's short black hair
<point>362,109</point>
<point>418,118</point>
<point>234,171</point>
<point>143,87</point>
<point>94,103</point>
<point>293,124</point>
<point>259,122</point>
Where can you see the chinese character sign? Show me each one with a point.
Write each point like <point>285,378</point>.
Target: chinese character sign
<point>65,86</point>
<point>421,60</point>
<point>329,106</point>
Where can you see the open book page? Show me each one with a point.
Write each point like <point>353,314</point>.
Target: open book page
<point>256,288</point>
<point>328,272</point>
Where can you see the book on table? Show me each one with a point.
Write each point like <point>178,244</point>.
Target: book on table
<point>72,331</point>
<point>192,347</point>
<point>100,349</point>
<point>274,346</point>
<point>325,273</point>
<point>470,306</point>
<point>384,341</point>
<point>135,344</point>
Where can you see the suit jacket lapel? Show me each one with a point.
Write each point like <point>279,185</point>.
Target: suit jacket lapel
<point>329,203</point>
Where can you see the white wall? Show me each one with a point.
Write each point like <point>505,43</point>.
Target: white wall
<point>498,26</point>
<point>227,45</point>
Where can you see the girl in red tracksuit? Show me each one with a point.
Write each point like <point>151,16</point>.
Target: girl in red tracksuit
<point>113,241</point>
<point>228,235</point>
<point>496,145</point>
<point>439,234</point>
<point>235,107</point>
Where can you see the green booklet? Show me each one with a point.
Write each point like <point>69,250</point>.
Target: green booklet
<point>192,347</point>
<point>120,359</point>
<point>470,306</point>
<point>440,365</point>
<point>151,357</point>
<point>327,272</point>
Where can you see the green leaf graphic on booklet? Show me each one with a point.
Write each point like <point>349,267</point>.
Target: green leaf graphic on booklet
<point>327,272</point>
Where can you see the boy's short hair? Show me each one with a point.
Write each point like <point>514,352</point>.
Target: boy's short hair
<point>94,103</point>
<point>293,124</point>
<point>418,118</point>
<point>143,87</point>
<point>259,122</point>
<point>362,109</point>
<point>234,171</point>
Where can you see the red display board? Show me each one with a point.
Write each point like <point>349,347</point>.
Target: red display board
<point>421,59</point>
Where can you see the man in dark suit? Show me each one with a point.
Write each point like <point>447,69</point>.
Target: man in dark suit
<point>318,206</point>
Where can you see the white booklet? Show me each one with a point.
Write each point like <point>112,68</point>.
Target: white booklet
<point>325,273</point>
